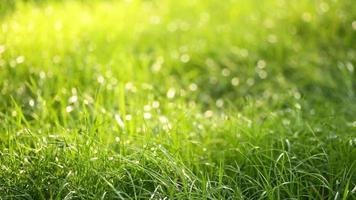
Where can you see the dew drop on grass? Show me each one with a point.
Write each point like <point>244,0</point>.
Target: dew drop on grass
<point>14,113</point>
<point>193,87</point>
<point>353,25</point>
<point>147,115</point>
<point>350,67</point>
<point>219,103</point>
<point>130,87</point>
<point>88,100</point>
<point>208,113</point>
<point>20,59</point>
<point>235,81</point>
<point>261,64</point>
<point>73,99</point>
<point>263,193</point>
<point>297,95</point>
<point>286,122</point>
<point>147,108</point>
<point>157,65</point>
<point>69,109</point>
<point>94,159</point>
<point>337,195</point>
<point>42,75</point>
<point>165,122</point>
<point>200,126</point>
<point>210,62</point>
<point>163,119</point>
<point>31,103</point>
<point>225,72</point>
<point>155,104</point>
<point>184,58</point>
<point>262,74</point>
<point>298,106</point>
<point>250,82</point>
<point>100,79</point>
<point>353,191</point>
<point>192,104</point>
<point>171,93</point>
<point>74,91</point>
<point>128,117</point>
<point>119,121</point>
<point>351,124</point>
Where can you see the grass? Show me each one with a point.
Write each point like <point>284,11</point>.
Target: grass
<point>178,99</point>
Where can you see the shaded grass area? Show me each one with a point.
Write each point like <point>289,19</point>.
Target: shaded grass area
<point>177,100</point>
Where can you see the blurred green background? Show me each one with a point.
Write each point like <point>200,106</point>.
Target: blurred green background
<point>237,99</point>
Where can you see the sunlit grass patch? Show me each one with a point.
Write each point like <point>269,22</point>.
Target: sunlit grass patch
<point>177,99</point>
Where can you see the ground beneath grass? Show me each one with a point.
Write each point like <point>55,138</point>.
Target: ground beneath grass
<point>180,99</point>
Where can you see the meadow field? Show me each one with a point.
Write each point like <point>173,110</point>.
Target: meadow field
<point>178,99</point>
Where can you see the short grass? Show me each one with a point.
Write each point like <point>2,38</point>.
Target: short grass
<point>188,99</point>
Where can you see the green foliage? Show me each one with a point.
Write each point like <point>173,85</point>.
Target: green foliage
<point>139,99</point>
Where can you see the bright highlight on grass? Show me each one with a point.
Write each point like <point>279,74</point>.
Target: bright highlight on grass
<point>190,99</point>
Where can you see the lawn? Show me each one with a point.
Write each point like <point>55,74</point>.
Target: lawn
<point>186,99</point>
